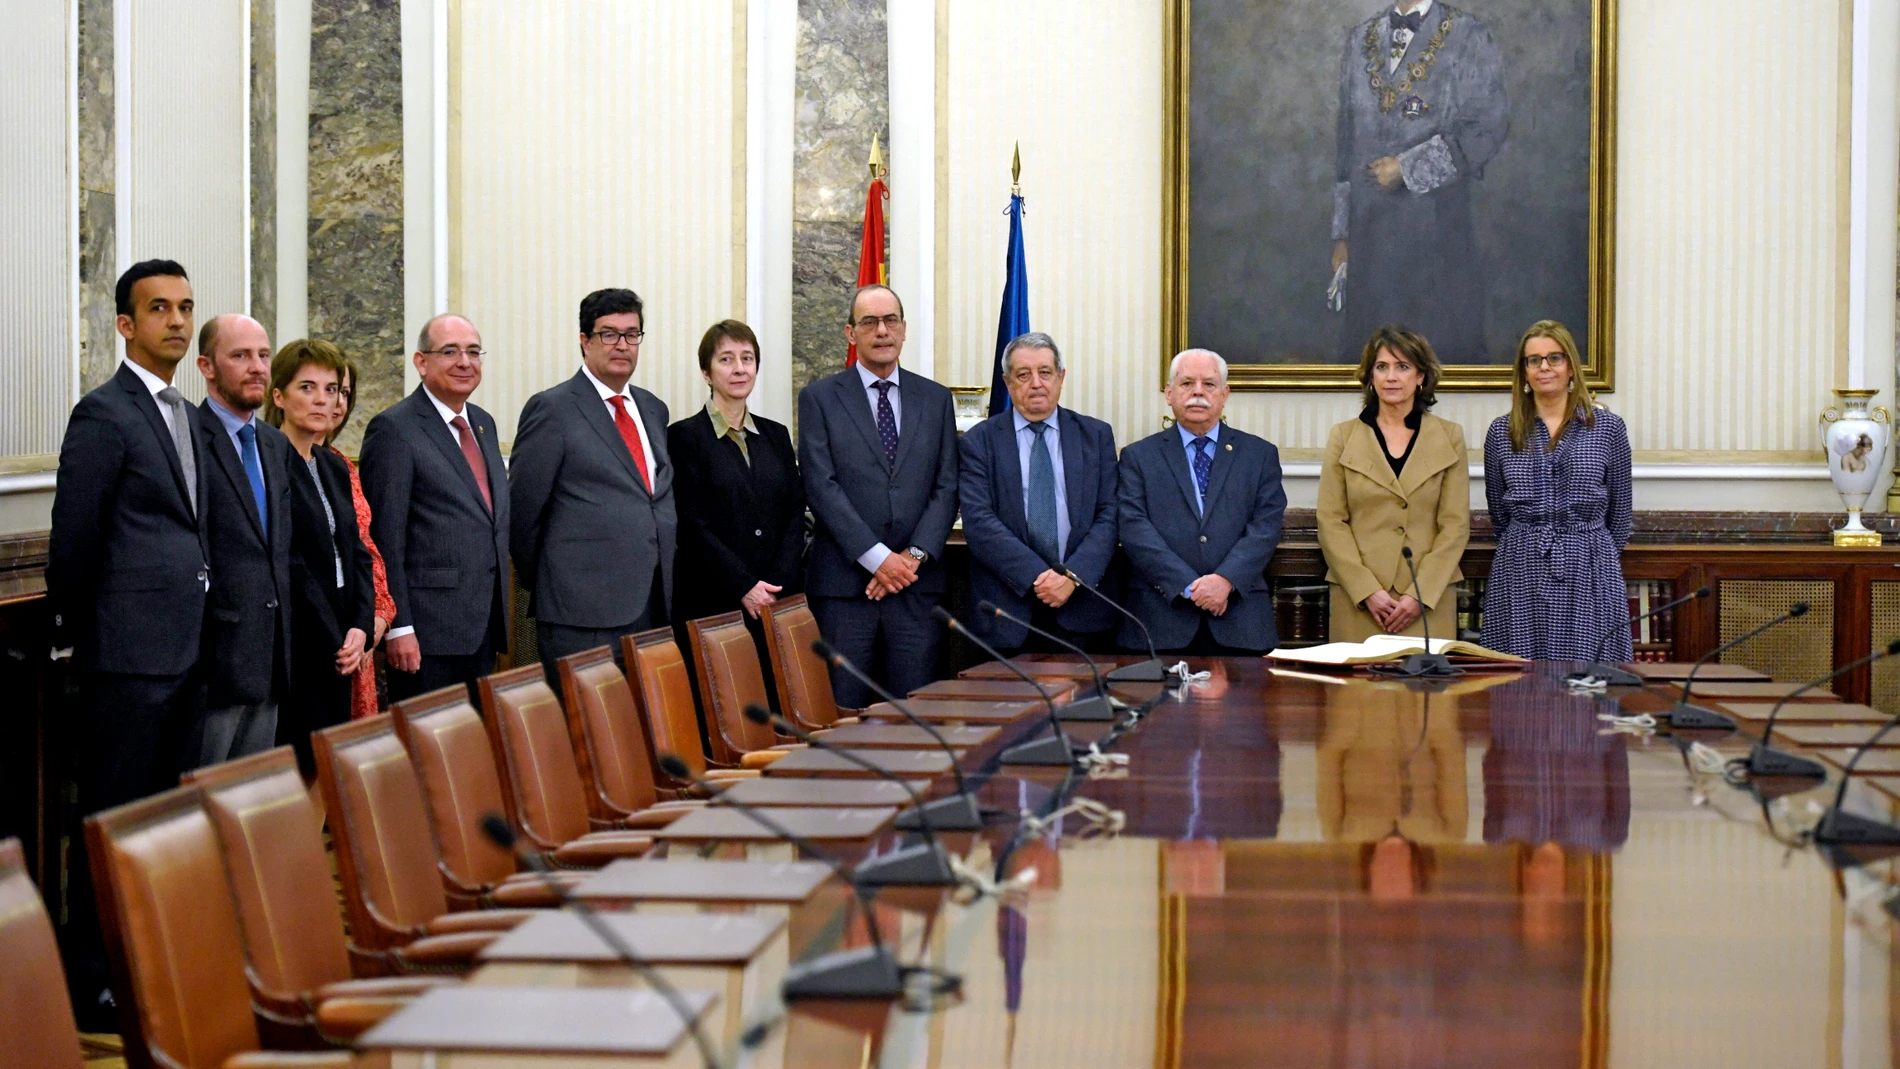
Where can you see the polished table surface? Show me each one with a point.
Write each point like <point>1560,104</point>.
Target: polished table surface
<point>1362,872</point>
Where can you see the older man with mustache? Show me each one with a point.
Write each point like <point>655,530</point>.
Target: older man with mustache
<point>1201,507</point>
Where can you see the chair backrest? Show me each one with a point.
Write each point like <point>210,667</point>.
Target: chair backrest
<point>448,745</point>
<point>34,1014</point>
<point>272,840</point>
<point>803,678</point>
<point>610,742</point>
<point>541,783</point>
<point>727,662</point>
<point>663,688</point>
<point>386,857</point>
<point>171,932</point>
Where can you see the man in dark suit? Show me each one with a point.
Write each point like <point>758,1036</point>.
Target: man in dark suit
<point>1201,507</point>
<point>126,579</point>
<point>1037,484</point>
<point>438,498</point>
<point>879,457</point>
<point>247,512</point>
<point>594,521</point>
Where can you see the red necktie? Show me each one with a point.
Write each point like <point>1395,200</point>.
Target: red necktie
<point>473,454</point>
<point>631,435</point>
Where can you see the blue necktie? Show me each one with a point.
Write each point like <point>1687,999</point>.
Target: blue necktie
<point>254,471</point>
<point>1042,498</point>
<point>886,419</point>
<point>1203,463</point>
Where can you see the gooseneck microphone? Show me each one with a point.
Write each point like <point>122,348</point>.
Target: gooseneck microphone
<point>1610,675</point>
<point>862,972</point>
<point>1051,749</point>
<point>1425,665</point>
<point>958,812</point>
<point>1764,760</point>
<point>1148,671</point>
<point>1685,715</point>
<point>924,864</point>
<point>497,831</point>
<point>1838,827</point>
<point>1099,706</point>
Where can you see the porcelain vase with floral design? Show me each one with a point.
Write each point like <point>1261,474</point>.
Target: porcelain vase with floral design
<point>1855,438</point>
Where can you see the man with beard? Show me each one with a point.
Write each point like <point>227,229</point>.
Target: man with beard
<point>1201,507</point>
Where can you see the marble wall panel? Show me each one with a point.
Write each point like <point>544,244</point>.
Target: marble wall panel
<point>98,243</point>
<point>264,164</point>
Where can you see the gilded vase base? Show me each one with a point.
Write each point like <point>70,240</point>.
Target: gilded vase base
<point>1857,539</point>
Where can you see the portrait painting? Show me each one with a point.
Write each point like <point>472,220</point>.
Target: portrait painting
<point>1339,165</point>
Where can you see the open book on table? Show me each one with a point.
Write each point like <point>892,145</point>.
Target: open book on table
<point>1381,649</point>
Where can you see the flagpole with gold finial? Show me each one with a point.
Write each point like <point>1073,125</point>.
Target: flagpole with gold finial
<point>1015,172</point>
<point>877,160</point>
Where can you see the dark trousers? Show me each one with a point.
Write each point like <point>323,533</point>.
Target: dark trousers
<point>555,641</point>
<point>893,640</point>
<point>137,735</point>
<point>1044,618</point>
<point>1204,645</point>
<point>444,671</point>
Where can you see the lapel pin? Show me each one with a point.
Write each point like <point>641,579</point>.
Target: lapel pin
<point>1230,447</point>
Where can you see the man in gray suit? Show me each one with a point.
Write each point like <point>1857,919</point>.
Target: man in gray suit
<point>594,520</point>
<point>247,494</point>
<point>878,451</point>
<point>438,498</point>
<point>1201,508</point>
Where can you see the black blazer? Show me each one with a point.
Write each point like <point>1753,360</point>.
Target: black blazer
<point>128,563</point>
<point>739,523</point>
<point>445,551</point>
<point>326,612</point>
<point>247,626</point>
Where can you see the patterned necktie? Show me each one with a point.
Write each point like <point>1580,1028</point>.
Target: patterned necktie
<point>1042,498</point>
<point>886,419</point>
<point>631,435</point>
<point>1203,463</point>
<point>181,441</point>
<point>473,454</point>
<point>254,471</point>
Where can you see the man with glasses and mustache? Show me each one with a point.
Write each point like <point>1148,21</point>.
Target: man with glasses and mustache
<point>595,523</point>
<point>878,452</point>
<point>438,495</point>
<point>1201,508</point>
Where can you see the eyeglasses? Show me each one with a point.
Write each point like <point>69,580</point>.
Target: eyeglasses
<point>1553,360</point>
<point>872,322</point>
<point>611,338</point>
<point>454,353</point>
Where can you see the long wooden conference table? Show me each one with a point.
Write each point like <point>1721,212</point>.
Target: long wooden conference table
<point>1316,871</point>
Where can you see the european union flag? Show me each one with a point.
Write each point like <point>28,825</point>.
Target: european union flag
<point>1014,320</point>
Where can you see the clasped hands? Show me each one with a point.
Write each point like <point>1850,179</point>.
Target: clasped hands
<point>1395,614</point>
<point>898,571</point>
<point>1210,592</point>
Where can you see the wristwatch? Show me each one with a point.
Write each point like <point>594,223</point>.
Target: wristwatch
<point>918,555</point>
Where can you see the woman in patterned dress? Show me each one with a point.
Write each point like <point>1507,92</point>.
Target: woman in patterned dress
<point>364,701</point>
<point>1557,482</point>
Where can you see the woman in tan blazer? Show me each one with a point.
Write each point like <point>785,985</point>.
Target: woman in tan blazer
<point>1395,476</point>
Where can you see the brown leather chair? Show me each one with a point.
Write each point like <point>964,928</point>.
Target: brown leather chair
<point>272,841</point>
<point>663,689</point>
<point>611,753</point>
<point>726,661</point>
<point>803,678</point>
<point>171,932</point>
<point>392,875</point>
<point>35,1017</point>
<point>454,758</point>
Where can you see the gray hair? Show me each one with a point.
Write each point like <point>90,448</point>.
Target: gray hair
<point>1035,339</point>
<point>1174,366</point>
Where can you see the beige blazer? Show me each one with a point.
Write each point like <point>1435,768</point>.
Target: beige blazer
<point>1366,513</point>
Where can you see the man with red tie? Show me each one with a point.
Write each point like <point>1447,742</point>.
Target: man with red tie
<point>594,520</point>
<point>438,497</point>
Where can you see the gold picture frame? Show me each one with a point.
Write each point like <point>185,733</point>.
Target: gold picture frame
<point>1599,363</point>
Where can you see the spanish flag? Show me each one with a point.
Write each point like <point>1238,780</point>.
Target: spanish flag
<point>871,267</point>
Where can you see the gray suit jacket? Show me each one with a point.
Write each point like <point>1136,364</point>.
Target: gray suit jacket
<point>445,552</point>
<point>858,497</point>
<point>586,534</point>
<point>247,631</point>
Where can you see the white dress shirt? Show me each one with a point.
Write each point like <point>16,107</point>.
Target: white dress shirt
<point>1402,39</point>
<point>1025,445</point>
<point>873,558</point>
<point>607,396</point>
<point>156,385</point>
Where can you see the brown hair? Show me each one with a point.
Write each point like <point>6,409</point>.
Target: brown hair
<point>1524,404</point>
<point>724,330</point>
<point>292,358</point>
<point>1414,349</point>
<point>348,374</point>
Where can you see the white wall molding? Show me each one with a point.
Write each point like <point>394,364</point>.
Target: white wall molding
<point>911,35</point>
<point>425,80</point>
<point>771,94</point>
<point>293,170</point>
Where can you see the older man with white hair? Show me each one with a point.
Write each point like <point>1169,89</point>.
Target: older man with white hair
<point>1201,508</point>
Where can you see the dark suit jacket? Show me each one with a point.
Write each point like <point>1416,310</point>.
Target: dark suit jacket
<point>1169,546</point>
<point>128,561</point>
<point>858,497</point>
<point>247,631</point>
<point>325,612</point>
<point>739,523</point>
<point>586,533</point>
<point>1002,566</point>
<point>445,553</point>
